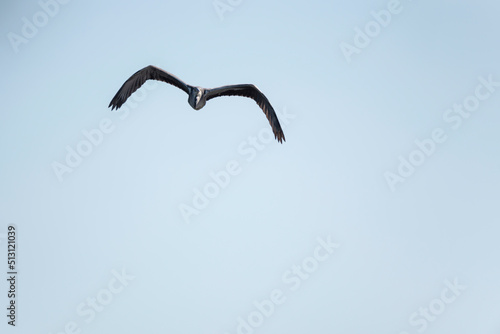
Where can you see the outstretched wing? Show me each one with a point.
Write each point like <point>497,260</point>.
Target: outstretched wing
<point>139,78</point>
<point>254,93</point>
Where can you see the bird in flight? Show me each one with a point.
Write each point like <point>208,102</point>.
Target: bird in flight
<point>198,96</point>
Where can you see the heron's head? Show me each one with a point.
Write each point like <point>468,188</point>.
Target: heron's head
<point>195,98</point>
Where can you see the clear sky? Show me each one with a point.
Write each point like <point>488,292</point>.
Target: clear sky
<point>379,214</point>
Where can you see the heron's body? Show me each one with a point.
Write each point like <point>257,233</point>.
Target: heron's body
<point>197,96</point>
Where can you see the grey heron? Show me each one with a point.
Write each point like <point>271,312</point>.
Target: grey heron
<point>198,96</point>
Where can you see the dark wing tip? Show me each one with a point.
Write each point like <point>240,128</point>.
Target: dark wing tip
<point>280,137</point>
<point>268,110</point>
<point>273,119</point>
<point>115,103</point>
<point>119,99</point>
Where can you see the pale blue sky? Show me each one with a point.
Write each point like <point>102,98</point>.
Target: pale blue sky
<point>349,123</point>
